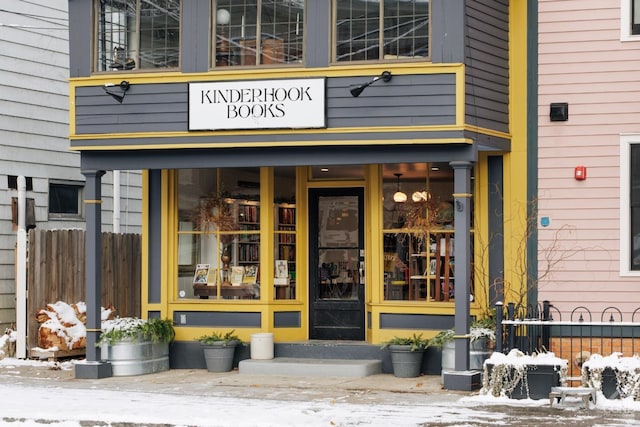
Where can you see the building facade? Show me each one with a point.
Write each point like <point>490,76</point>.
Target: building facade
<point>321,170</point>
<point>588,158</point>
<point>34,139</point>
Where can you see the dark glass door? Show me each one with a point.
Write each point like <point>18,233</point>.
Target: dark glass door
<point>336,287</point>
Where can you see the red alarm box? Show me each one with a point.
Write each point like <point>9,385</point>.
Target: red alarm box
<point>580,173</point>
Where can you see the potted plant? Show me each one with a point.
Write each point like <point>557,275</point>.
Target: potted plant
<point>483,335</point>
<point>406,355</point>
<point>219,350</point>
<point>615,376</point>
<point>520,376</point>
<point>136,346</point>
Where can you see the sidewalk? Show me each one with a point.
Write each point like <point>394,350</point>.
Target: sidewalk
<point>199,382</point>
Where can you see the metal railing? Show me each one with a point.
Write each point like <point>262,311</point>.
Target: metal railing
<point>541,328</point>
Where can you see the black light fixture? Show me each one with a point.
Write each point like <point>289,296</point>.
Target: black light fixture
<point>356,90</point>
<point>124,87</point>
<point>559,112</point>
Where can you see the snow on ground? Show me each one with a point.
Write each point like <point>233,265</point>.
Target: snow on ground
<point>55,405</point>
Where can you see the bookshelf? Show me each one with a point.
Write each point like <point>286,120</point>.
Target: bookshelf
<point>285,248</point>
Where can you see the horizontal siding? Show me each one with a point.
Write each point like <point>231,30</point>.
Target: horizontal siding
<point>487,64</point>
<point>34,128</point>
<point>164,107</point>
<point>582,62</point>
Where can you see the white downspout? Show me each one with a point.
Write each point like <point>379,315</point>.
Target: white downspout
<point>21,271</point>
<point>116,201</point>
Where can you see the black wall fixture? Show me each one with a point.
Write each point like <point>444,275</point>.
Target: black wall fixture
<point>559,112</point>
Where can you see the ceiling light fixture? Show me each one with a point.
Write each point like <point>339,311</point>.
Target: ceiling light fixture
<point>399,196</point>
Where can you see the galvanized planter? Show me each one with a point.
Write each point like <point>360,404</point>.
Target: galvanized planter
<point>479,351</point>
<point>218,356</point>
<point>136,357</point>
<point>406,363</point>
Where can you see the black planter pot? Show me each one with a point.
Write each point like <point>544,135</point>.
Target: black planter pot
<point>540,380</point>
<point>609,383</point>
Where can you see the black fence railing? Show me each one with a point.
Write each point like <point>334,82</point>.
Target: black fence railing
<point>541,328</point>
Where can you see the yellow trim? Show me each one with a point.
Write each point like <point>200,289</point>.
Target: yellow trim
<point>92,202</point>
<point>460,98</point>
<point>272,73</point>
<point>462,195</point>
<point>144,237</point>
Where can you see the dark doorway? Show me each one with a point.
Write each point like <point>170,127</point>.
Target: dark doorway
<point>336,264</point>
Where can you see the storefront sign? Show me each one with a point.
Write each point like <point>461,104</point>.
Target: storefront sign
<point>261,104</point>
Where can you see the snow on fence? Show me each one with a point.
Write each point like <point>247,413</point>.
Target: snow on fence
<point>541,328</point>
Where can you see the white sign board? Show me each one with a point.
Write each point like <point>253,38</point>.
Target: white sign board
<point>257,104</point>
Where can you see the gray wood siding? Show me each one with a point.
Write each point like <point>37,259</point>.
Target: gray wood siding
<point>34,129</point>
<point>487,64</point>
<point>407,100</point>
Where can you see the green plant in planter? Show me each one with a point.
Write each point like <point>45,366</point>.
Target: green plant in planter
<point>416,342</point>
<point>135,329</point>
<point>478,330</point>
<point>217,337</point>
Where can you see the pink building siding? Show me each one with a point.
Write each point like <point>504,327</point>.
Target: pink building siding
<point>582,61</point>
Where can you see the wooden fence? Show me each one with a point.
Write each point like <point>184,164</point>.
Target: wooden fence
<point>56,272</point>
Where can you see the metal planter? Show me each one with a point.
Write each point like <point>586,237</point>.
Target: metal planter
<point>136,357</point>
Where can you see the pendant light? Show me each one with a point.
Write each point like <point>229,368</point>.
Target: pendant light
<point>399,196</point>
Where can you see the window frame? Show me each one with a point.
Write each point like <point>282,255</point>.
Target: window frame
<point>627,31</point>
<point>215,56</point>
<point>626,142</point>
<point>136,52</point>
<point>79,186</point>
<point>381,58</point>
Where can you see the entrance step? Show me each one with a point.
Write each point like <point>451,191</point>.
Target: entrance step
<point>295,366</point>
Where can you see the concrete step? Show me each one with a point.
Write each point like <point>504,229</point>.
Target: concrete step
<point>297,366</point>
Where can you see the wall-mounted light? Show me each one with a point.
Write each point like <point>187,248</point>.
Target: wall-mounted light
<point>356,90</point>
<point>559,112</point>
<point>124,87</point>
<point>399,196</point>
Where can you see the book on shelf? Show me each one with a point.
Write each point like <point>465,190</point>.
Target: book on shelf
<point>250,274</point>
<point>201,276</point>
<point>237,274</point>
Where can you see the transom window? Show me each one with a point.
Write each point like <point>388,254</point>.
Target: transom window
<point>257,32</point>
<point>137,34</point>
<point>381,29</point>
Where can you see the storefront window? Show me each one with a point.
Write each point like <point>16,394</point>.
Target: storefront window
<point>381,29</point>
<point>219,233</point>
<point>136,34</point>
<point>257,32</point>
<point>285,232</point>
<point>418,232</point>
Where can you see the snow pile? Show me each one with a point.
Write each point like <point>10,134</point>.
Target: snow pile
<point>516,359</point>
<point>7,341</point>
<point>62,325</point>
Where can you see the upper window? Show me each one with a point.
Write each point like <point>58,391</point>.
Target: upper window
<point>137,34</point>
<point>257,32</point>
<point>629,20</point>
<point>381,29</point>
<point>65,199</point>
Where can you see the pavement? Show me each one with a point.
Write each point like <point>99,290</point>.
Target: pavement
<point>381,393</point>
<point>200,382</point>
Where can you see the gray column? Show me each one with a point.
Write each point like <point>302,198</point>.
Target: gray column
<point>93,367</point>
<point>461,378</point>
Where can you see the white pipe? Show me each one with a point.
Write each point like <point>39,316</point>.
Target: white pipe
<point>21,272</point>
<point>116,201</point>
